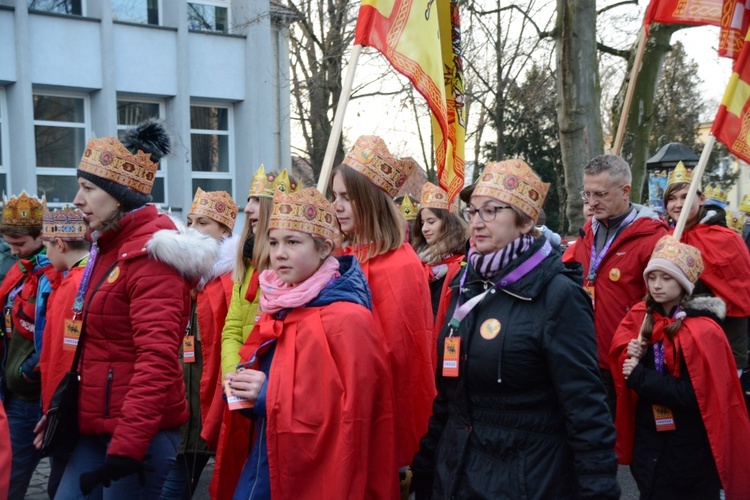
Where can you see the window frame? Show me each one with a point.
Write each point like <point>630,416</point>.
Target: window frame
<point>82,14</point>
<point>160,8</point>
<point>213,3</point>
<point>229,133</point>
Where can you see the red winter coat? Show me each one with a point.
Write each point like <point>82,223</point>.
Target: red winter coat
<point>131,380</point>
<point>619,281</point>
<point>5,453</point>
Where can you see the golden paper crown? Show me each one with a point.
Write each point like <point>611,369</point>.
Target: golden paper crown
<point>216,205</point>
<point>687,258</point>
<point>66,223</point>
<point>306,211</point>
<point>408,209</point>
<point>716,193</point>
<point>265,185</point>
<point>736,221</point>
<point>370,157</point>
<point>513,182</point>
<point>679,174</point>
<point>109,159</point>
<point>745,204</point>
<point>434,197</point>
<point>23,210</point>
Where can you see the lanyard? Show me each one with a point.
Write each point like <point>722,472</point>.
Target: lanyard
<point>463,310</point>
<point>78,304</point>
<point>596,258</point>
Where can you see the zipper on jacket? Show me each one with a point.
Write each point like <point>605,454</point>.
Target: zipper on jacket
<point>107,393</point>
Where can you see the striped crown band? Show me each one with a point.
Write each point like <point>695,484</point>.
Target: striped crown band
<point>67,223</point>
<point>515,183</point>
<point>306,211</point>
<point>109,159</point>
<point>216,205</point>
<point>23,210</point>
<point>370,157</point>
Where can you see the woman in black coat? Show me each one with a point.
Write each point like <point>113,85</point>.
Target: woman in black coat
<point>520,410</point>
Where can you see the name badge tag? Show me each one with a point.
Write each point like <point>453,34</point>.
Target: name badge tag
<point>590,292</point>
<point>188,349</point>
<point>235,402</point>
<point>451,356</point>
<point>72,334</point>
<point>664,418</point>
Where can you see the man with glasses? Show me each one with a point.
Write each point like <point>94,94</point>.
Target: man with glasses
<point>614,250</point>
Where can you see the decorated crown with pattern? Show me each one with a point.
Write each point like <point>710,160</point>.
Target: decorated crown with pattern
<point>66,223</point>
<point>515,183</point>
<point>266,185</point>
<point>716,193</point>
<point>306,211</point>
<point>408,208</point>
<point>745,204</point>
<point>736,221</point>
<point>679,174</point>
<point>687,258</point>
<point>23,210</point>
<point>370,157</point>
<point>434,197</point>
<point>216,205</point>
<point>109,159</point>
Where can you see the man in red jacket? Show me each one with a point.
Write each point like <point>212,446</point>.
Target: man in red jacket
<point>614,250</point>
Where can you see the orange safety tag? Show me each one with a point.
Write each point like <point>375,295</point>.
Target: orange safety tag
<point>235,402</point>
<point>590,292</point>
<point>72,334</point>
<point>664,418</point>
<point>8,323</point>
<point>451,356</point>
<point>188,349</point>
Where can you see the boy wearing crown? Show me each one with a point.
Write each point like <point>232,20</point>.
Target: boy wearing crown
<point>23,295</point>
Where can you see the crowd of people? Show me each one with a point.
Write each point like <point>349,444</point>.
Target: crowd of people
<point>363,346</point>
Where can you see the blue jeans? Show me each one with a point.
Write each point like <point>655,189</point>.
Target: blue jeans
<point>184,476</point>
<point>90,454</point>
<point>22,418</point>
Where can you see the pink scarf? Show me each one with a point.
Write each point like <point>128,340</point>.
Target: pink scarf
<point>277,295</point>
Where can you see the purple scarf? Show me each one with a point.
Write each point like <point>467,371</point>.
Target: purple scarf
<point>489,265</point>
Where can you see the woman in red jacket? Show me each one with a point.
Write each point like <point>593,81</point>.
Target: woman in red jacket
<point>133,306</point>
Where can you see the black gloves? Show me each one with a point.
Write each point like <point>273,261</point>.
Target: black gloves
<point>114,468</point>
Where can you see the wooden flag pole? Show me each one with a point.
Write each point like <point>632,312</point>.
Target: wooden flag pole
<point>640,50</point>
<point>697,174</point>
<point>338,120</point>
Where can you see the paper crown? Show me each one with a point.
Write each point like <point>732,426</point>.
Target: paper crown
<point>434,197</point>
<point>216,205</point>
<point>266,185</point>
<point>66,223</point>
<point>683,262</point>
<point>23,210</point>
<point>306,211</point>
<point>716,193</point>
<point>736,221</point>
<point>408,209</point>
<point>513,182</point>
<point>370,157</point>
<point>745,203</point>
<point>679,174</point>
<point>109,159</point>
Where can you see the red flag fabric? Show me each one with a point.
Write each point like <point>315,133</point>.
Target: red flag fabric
<point>734,22</point>
<point>732,123</point>
<point>698,12</point>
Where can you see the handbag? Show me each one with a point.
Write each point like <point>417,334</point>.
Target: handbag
<point>62,432</point>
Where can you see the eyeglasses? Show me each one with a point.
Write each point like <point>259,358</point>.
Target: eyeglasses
<point>597,195</point>
<point>486,213</point>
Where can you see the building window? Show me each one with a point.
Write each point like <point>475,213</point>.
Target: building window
<point>131,113</point>
<point>58,6</point>
<point>3,144</point>
<point>136,11</point>
<point>211,148</point>
<point>61,125</point>
<point>208,15</point>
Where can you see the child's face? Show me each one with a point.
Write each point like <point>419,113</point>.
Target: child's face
<point>343,206</point>
<point>293,255</point>
<point>22,245</point>
<point>432,226</point>
<point>207,226</point>
<point>665,290</point>
<point>55,255</point>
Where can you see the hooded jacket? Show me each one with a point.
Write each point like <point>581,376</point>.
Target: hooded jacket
<point>135,312</point>
<point>526,417</point>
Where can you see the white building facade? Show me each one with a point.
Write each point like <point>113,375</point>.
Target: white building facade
<point>215,70</point>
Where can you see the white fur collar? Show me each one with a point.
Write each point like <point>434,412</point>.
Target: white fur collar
<point>191,253</point>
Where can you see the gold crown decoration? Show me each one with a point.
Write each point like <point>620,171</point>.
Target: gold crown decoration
<point>408,209</point>
<point>745,204</point>
<point>434,197</point>
<point>67,224</point>
<point>109,159</point>
<point>687,258</point>
<point>679,174</point>
<point>23,210</point>
<point>716,193</point>
<point>266,185</point>
<point>736,221</point>
<point>216,205</point>
<point>515,183</point>
<point>306,211</point>
<point>370,157</point>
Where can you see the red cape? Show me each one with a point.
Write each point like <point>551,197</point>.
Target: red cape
<point>726,264</point>
<point>5,453</point>
<point>329,405</point>
<point>402,308</point>
<point>713,374</point>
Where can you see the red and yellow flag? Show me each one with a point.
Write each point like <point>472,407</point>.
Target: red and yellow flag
<point>422,41</point>
<point>732,123</point>
<point>697,12</point>
<point>734,22</point>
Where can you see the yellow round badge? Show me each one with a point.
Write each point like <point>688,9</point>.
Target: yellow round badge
<point>489,329</point>
<point>114,275</point>
<point>614,274</point>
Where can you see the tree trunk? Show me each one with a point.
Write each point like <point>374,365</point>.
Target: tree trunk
<point>578,90</point>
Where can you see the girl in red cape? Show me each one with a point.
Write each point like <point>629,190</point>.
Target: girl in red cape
<point>315,369</point>
<point>362,188</point>
<point>681,420</point>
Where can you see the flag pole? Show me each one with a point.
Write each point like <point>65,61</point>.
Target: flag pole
<point>640,50</point>
<point>338,120</point>
<point>697,174</point>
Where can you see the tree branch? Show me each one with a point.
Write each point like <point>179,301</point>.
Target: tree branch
<point>540,33</point>
<point>615,5</point>
<point>625,54</point>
